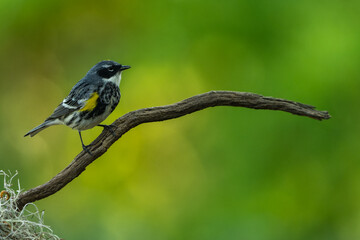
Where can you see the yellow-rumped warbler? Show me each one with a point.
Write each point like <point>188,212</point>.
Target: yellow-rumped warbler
<point>90,101</point>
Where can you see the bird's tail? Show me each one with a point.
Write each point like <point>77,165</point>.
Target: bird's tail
<point>39,128</point>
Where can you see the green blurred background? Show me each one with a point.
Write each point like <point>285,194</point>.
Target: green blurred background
<point>222,173</point>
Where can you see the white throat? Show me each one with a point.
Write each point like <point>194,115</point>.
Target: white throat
<point>115,79</point>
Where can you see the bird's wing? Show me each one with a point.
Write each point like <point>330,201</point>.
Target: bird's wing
<point>78,99</point>
<point>64,109</point>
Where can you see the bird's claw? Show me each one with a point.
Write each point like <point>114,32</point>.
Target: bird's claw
<point>86,149</point>
<point>109,128</point>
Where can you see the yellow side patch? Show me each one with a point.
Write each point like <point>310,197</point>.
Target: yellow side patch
<point>91,102</point>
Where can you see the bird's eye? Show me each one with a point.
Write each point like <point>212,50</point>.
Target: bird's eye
<point>111,69</point>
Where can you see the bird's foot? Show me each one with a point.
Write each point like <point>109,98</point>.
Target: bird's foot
<point>86,149</point>
<point>111,128</point>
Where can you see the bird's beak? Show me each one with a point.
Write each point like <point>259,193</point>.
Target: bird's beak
<point>124,67</point>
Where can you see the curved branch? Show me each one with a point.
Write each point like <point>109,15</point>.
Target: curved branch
<point>130,120</point>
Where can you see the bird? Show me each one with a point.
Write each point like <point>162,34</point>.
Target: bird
<point>89,102</point>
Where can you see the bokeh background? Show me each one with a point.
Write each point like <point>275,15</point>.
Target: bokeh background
<point>222,173</point>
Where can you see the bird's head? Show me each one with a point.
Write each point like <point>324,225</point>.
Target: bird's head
<point>108,71</point>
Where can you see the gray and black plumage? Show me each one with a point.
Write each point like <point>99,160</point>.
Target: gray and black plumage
<point>90,101</point>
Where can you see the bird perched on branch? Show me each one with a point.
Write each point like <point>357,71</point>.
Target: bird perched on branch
<point>89,102</point>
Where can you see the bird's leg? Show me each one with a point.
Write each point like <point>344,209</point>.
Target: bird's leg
<point>110,128</point>
<point>85,148</point>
